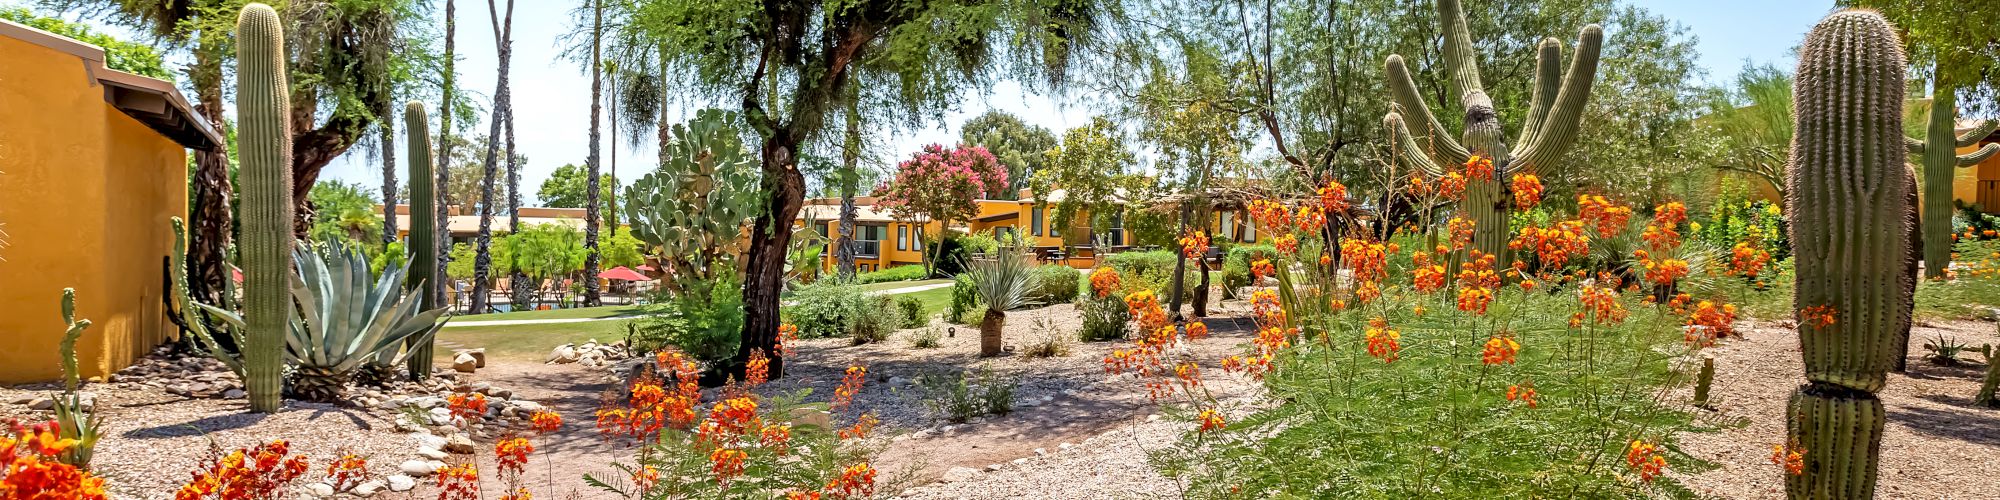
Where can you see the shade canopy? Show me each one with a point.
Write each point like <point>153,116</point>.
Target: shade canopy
<point>622,273</point>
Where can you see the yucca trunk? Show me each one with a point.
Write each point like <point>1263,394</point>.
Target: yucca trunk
<point>1850,202</point>
<point>263,106</point>
<point>989,333</point>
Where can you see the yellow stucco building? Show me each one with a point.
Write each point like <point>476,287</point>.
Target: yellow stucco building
<point>93,163</point>
<point>1978,185</point>
<point>884,241</point>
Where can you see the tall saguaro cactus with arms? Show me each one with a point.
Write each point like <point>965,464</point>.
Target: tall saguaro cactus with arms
<point>1850,197</point>
<point>423,230</point>
<point>264,144</point>
<point>1939,150</point>
<point>1554,114</point>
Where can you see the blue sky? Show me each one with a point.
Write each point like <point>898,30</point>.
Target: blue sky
<point>552,94</point>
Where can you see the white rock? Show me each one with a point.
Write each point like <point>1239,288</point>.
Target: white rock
<point>320,489</point>
<point>563,354</point>
<point>464,363</point>
<point>440,415</point>
<point>420,468</point>
<point>995,467</point>
<point>369,488</point>
<point>1153,418</point>
<point>429,441</point>
<point>24,400</point>
<point>401,482</point>
<point>1065,446</point>
<point>234,394</point>
<point>431,453</point>
<point>460,444</point>
<point>1021,461</point>
<point>1041,451</point>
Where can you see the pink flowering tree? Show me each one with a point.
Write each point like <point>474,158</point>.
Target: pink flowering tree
<point>942,185</point>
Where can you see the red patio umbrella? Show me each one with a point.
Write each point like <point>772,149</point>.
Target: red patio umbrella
<point>622,273</point>
<point>643,267</point>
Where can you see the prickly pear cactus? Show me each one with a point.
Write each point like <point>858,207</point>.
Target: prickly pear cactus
<point>264,144</point>
<point>1850,198</point>
<point>423,244</point>
<point>1554,114</point>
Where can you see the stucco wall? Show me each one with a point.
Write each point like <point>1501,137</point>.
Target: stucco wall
<point>85,195</point>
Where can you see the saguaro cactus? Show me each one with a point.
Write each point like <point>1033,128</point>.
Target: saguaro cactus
<point>1850,198</point>
<point>264,144</point>
<point>423,243</point>
<point>1939,150</point>
<point>1553,117</point>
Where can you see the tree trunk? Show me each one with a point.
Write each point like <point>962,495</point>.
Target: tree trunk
<point>590,212</point>
<point>521,284</point>
<point>1180,270</point>
<point>764,271</point>
<point>850,155</point>
<point>503,32</point>
<point>989,333</point>
<point>208,261</point>
<point>388,130</point>
<point>443,156</point>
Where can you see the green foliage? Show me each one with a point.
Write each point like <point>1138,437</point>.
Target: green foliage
<point>879,317</point>
<point>1949,43</point>
<point>1104,319</point>
<point>1089,169</point>
<point>1973,294</point>
<point>546,250</point>
<point>958,397</point>
<point>130,57</point>
<point>828,308</point>
<point>621,249</point>
<point>1750,126</point>
<point>702,323</point>
<point>930,337</point>
<point>1153,270</point>
<point>964,300</point>
<point>898,273</point>
<point>1642,113</point>
<point>393,252</point>
<point>911,310</point>
<point>465,183</point>
<point>691,210</point>
<point>1731,222</point>
<point>1056,284</point>
<point>263,113</point>
<point>1236,264</point>
<point>74,419</point>
<point>568,185</point>
<point>1018,145</point>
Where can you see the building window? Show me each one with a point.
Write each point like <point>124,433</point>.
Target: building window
<point>1228,225</point>
<point>902,237</point>
<point>1035,221</point>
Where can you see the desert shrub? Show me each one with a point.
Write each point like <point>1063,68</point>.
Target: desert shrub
<point>1056,284</point>
<point>877,320</point>
<point>964,300</point>
<point>1103,319</point>
<point>952,255</point>
<point>1153,271</point>
<point>958,397</point>
<point>1236,265</point>
<point>911,311</point>
<point>898,273</point>
<point>930,337</point>
<point>827,309</point>
<point>707,325</point>
<point>1051,342</point>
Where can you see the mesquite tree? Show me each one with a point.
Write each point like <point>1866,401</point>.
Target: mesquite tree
<point>1552,123</point>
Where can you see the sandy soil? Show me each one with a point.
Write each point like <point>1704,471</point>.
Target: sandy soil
<point>1936,445</point>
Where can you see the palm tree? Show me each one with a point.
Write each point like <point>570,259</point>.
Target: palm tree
<point>590,212</point>
<point>503,40</point>
<point>1001,283</point>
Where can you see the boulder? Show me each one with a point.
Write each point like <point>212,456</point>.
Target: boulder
<point>369,488</point>
<point>812,416</point>
<point>431,453</point>
<point>321,490</point>
<point>958,474</point>
<point>419,468</point>
<point>401,482</point>
<point>478,355</point>
<point>565,353</point>
<point>460,444</point>
<point>464,363</point>
<point>42,404</point>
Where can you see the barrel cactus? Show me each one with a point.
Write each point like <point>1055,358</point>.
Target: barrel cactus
<point>1850,197</point>
<point>1939,150</point>
<point>264,148</point>
<point>423,242</point>
<point>1554,114</point>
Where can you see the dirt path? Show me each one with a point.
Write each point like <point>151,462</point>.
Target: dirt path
<point>1936,444</point>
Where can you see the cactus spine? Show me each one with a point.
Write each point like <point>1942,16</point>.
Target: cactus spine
<point>423,243</point>
<point>1554,113</point>
<point>264,143</point>
<point>1850,197</point>
<point>1941,160</point>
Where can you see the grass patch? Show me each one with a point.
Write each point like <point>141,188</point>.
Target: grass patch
<point>892,285</point>
<point>530,343</point>
<point>572,313</point>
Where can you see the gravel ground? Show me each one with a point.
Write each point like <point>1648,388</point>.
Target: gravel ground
<point>154,439</point>
<point>1936,445</point>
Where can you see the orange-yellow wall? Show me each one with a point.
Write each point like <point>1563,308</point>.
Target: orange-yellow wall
<point>1966,184</point>
<point>86,194</point>
<point>998,212</point>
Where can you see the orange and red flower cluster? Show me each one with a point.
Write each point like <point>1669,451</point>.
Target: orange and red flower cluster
<point>1260,269</point>
<point>757,370</point>
<point>30,467</point>
<point>1500,349</point>
<point>1527,190</point>
<point>1369,260</point>
<point>1104,281</point>
<point>850,385</point>
<point>1791,457</point>
<point>1664,232</point>
<point>1645,458</point>
<point>1609,218</point>
<point>1426,276</point>
<point>1333,197</point>
<point>1382,340</point>
<point>1210,420</point>
<point>1194,244</point>
<point>1524,393</point>
<point>1476,282</point>
<point>1747,259</point>
<point>1270,215</point>
<point>651,407</point>
<point>1663,272</point>
<point>348,471</point>
<point>1451,186</point>
<point>1710,321</point>
<point>1819,316</point>
<point>262,472</point>
<point>512,454</point>
<point>1479,167</point>
<point>458,482</point>
<point>1553,246</point>
<point>466,407</point>
<point>1600,306</point>
<point>1460,229</point>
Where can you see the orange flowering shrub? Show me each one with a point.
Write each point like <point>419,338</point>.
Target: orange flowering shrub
<point>1451,186</point>
<point>1369,260</point>
<point>1479,167</point>
<point>1311,219</point>
<point>862,426</point>
<point>726,464</point>
<point>850,385</point>
<point>1645,458</point>
<point>1476,282</point>
<point>1194,244</point>
<point>545,421</point>
<point>856,481</point>
<point>1500,349</point>
<point>757,370</point>
<point>1527,190</point>
<point>1270,215</point>
<point>261,472</point>
<point>651,406</point>
<point>512,454</point>
<point>347,471</point>
<point>1819,316</point>
<point>458,482</point>
<point>1287,244</point>
<point>466,407</point>
<point>1261,269</point>
<point>1609,218</point>
<point>1104,281</point>
<point>1382,340</point>
<point>1333,196</point>
<point>1426,276</point>
<point>1460,229</point>
<point>787,333</point>
<point>1747,259</point>
<point>1663,272</point>
<point>1791,457</point>
<point>1523,392</point>
<point>31,468</point>
<point>1553,246</point>
<point>1710,321</point>
<point>1600,306</point>
<point>1210,420</point>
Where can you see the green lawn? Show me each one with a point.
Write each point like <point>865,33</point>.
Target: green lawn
<point>574,313</point>
<point>887,285</point>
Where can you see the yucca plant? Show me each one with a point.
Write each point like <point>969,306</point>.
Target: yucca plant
<point>348,318</point>
<point>1001,283</point>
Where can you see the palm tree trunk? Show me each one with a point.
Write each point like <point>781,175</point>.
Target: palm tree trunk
<point>521,283</point>
<point>388,130</point>
<point>208,262</point>
<point>989,333</point>
<point>443,156</point>
<point>590,212</point>
<point>503,33</point>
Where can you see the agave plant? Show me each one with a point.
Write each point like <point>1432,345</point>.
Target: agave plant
<point>347,318</point>
<point>1001,283</point>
